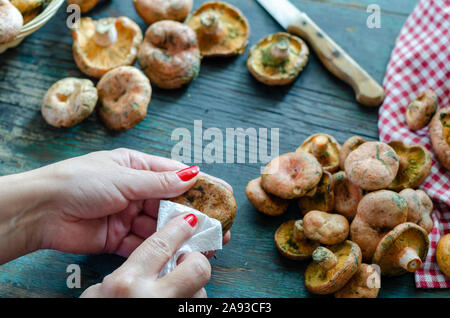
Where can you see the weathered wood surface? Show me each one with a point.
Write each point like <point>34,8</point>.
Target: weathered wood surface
<point>224,95</point>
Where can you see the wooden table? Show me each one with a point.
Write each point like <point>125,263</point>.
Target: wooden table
<point>223,96</point>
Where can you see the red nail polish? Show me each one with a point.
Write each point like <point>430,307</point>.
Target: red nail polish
<point>191,219</point>
<point>188,173</point>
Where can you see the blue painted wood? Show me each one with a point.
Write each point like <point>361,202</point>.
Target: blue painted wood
<point>224,95</point>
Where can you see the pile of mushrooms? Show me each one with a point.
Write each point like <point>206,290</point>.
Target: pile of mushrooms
<point>359,202</point>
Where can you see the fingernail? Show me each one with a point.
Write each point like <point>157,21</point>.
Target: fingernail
<point>188,173</point>
<point>191,219</point>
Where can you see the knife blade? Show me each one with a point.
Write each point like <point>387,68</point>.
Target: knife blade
<point>336,60</point>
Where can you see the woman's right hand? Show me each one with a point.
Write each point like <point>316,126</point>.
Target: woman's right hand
<point>138,276</point>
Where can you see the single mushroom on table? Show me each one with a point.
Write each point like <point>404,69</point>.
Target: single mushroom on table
<point>291,242</point>
<point>443,254</point>
<point>402,250</point>
<point>421,110</point>
<point>440,136</point>
<point>156,10</point>
<point>221,28</point>
<point>325,148</point>
<point>68,102</point>
<point>169,55</point>
<point>378,212</point>
<point>11,21</point>
<point>332,267</point>
<point>265,202</point>
<point>85,5</point>
<point>349,145</point>
<point>322,199</point>
<point>326,228</point>
<point>420,207</point>
<point>124,94</point>
<point>211,198</point>
<point>414,165</point>
<point>365,283</point>
<point>278,59</point>
<point>346,195</point>
<point>100,46</point>
<point>291,175</point>
<point>372,166</point>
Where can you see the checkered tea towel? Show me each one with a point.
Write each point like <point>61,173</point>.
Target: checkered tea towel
<point>421,60</point>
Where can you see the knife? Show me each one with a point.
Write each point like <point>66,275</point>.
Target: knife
<point>336,60</point>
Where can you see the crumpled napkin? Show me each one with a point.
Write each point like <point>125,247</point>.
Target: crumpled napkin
<point>207,237</point>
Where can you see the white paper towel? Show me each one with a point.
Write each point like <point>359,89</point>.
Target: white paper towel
<point>207,237</point>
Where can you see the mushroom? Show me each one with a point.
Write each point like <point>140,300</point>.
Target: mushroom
<point>221,28</point>
<point>364,284</point>
<point>100,46</point>
<point>440,136</point>
<point>156,10</point>
<point>68,102</point>
<point>278,59</point>
<point>85,5</point>
<point>420,207</point>
<point>349,145</point>
<point>402,249</point>
<point>443,254</point>
<point>29,8</point>
<point>169,55</point>
<point>11,21</point>
<point>325,228</point>
<point>421,110</point>
<point>322,199</point>
<point>325,148</point>
<point>332,267</point>
<point>346,195</point>
<point>414,165</point>
<point>291,175</point>
<point>372,166</point>
<point>265,202</point>
<point>124,93</point>
<point>211,198</point>
<point>291,242</point>
<point>378,212</point>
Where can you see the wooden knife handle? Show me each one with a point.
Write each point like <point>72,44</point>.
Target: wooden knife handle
<point>337,61</point>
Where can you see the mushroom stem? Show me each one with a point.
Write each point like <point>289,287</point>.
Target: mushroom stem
<point>210,22</point>
<point>325,258</point>
<point>105,33</point>
<point>319,145</point>
<point>409,260</point>
<point>280,49</point>
<point>298,234</point>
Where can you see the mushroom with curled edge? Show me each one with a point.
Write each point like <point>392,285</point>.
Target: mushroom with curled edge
<point>325,148</point>
<point>440,136</point>
<point>292,243</point>
<point>346,195</point>
<point>278,59</point>
<point>156,10</point>
<point>332,267</point>
<point>322,199</point>
<point>291,175</point>
<point>264,202</point>
<point>421,110</point>
<point>364,284</point>
<point>100,46</point>
<point>402,250</point>
<point>169,55</point>
<point>221,28</point>
<point>349,145</point>
<point>414,165</point>
<point>420,208</point>
<point>11,21</point>
<point>326,228</point>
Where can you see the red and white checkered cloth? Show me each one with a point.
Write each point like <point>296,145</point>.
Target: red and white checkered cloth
<point>421,60</point>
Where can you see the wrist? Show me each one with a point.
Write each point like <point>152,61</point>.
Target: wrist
<point>24,199</point>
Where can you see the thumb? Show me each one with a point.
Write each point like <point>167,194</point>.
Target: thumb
<point>144,184</point>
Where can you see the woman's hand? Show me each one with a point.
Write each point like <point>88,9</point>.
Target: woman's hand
<point>103,202</point>
<point>138,276</point>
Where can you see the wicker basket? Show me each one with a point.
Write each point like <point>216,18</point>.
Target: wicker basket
<point>33,25</point>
